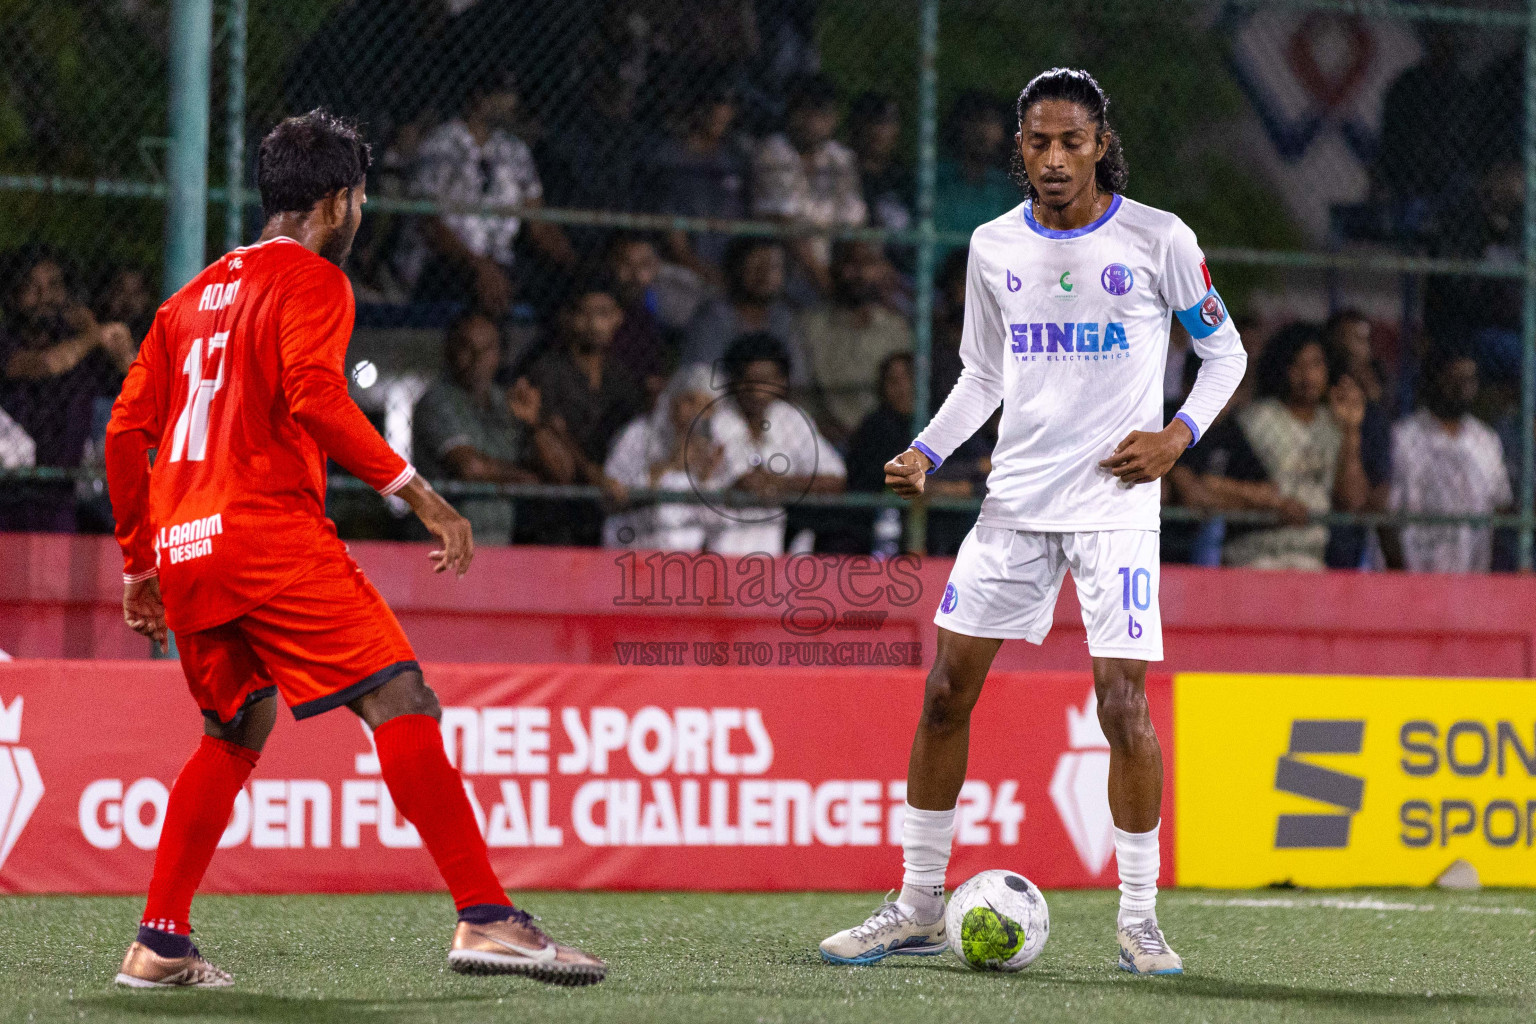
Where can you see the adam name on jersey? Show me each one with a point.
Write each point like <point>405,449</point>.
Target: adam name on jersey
<point>1069,341</point>
<point>185,541</point>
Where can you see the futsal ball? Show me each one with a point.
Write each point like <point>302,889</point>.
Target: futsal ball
<point>997,921</point>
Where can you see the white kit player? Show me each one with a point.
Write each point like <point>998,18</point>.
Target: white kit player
<point>1068,304</point>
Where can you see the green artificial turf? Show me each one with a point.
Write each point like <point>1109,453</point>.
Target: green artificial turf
<point>1385,955</point>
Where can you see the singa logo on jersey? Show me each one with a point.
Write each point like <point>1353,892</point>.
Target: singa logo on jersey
<point>1098,341</point>
<point>1117,279</point>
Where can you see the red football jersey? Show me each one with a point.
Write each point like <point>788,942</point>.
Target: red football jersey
<point>240,389</point>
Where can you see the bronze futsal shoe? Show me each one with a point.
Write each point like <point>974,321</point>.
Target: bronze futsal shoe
<point>144,968</point>
<point>518,946</point>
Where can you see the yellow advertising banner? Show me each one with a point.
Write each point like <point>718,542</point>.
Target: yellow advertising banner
<point>1343,781</point>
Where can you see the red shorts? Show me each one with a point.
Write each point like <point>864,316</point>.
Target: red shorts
<point>325,639</point>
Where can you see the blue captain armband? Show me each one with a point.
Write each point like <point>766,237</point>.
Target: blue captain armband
<point>1205,317</point>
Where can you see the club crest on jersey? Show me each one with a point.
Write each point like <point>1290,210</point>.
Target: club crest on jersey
<point>1117,279</point>
<point>951,598</point>
<point>1057,342</point>
<point>1212,312</point>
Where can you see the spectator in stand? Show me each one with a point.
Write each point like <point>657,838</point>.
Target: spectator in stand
<point>588,397</point>
<point>1306,435</point>
<point>1447,461</point>
<point>1222,474</point>
<point>672,448</point>
<point>973,185</point>
<point>702,174</point>
<point>596,159</point>
<point>1426,105</point>
<point>641,345</point>
<point>779,455</point>
<point>849,337</point>
<point>1350,352</point>
<point>467,258</point>
<point>467,427</point>
<point>804,176</point>
<point>128,299</point>
<point>753,303</point>
<point>56,359</point>
<point>874,126</point>
<point>1483,314</point>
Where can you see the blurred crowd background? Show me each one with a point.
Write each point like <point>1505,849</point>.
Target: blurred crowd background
<point>534,317</point>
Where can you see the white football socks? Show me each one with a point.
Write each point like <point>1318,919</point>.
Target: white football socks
<point>1139,861</point>
<point>925,840</point>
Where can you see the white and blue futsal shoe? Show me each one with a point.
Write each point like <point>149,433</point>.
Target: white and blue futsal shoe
<point>889,931</point>
<point>1143,950</point>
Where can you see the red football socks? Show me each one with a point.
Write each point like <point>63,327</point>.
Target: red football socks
<point>429,792</point>
<point>195,817</point>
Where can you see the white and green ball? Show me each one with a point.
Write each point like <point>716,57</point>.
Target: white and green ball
<point>997,921</point>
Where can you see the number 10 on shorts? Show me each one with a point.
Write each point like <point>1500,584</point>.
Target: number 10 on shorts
<point>1135,591</point>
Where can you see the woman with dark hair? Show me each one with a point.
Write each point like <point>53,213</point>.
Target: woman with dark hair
<point>1305,429</point>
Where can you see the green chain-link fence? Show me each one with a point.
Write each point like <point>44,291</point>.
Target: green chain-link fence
<point>1365,161</point>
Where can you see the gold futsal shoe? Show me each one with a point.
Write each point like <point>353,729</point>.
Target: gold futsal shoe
<point>144,968</point>
<point>518,946</point>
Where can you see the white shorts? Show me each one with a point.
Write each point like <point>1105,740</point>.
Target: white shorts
<point>1005,583</point>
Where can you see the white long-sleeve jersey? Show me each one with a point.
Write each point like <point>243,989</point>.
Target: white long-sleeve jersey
<point>1069,331</point>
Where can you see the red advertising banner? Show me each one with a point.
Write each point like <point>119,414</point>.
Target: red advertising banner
<point>584,776</point>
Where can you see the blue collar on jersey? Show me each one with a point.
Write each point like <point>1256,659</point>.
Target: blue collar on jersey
<point>1039,229</point>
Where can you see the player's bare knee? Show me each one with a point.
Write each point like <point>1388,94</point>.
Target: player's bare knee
<point>251,730</point>
<point>946,702</point>
<point>405,694</point>
<point>1124,717</point>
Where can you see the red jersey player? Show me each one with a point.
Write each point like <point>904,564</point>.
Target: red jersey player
<point>238,392</point>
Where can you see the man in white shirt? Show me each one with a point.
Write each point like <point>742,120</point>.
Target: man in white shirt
<point>805,176</point>
<point>1069,300</point>
<point>471,160</point>
<point>772,448</point>
<point>1447,461</point>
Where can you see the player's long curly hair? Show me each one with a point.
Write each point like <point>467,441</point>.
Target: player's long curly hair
<point>1112,173</point>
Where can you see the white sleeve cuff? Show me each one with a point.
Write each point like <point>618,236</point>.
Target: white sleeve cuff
<point>406,476</point>
<point>140,577</point>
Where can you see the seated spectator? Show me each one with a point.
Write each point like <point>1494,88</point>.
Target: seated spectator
<point>467,427</point>
<point>805,176</point>
<point>887,431</point>
<point>1483,314</point>
<point>588,397</point>
<point>1447,461</point>
<point>467,258</point>
<point>56,359</point>
<point>1222,473</point>
<point>641,344</point>
<point>671,449</point>
<point>595,160</point>
<point>702,174</point>
<point>1428,103</point>
<point>753,303</point>
<point>781,456</point>
<point>874,126</point>
<point>973,185</point>
<point>1307,437</point>
<point>847,338</point>
<point>128,299</point>
<point>1350,352</point>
